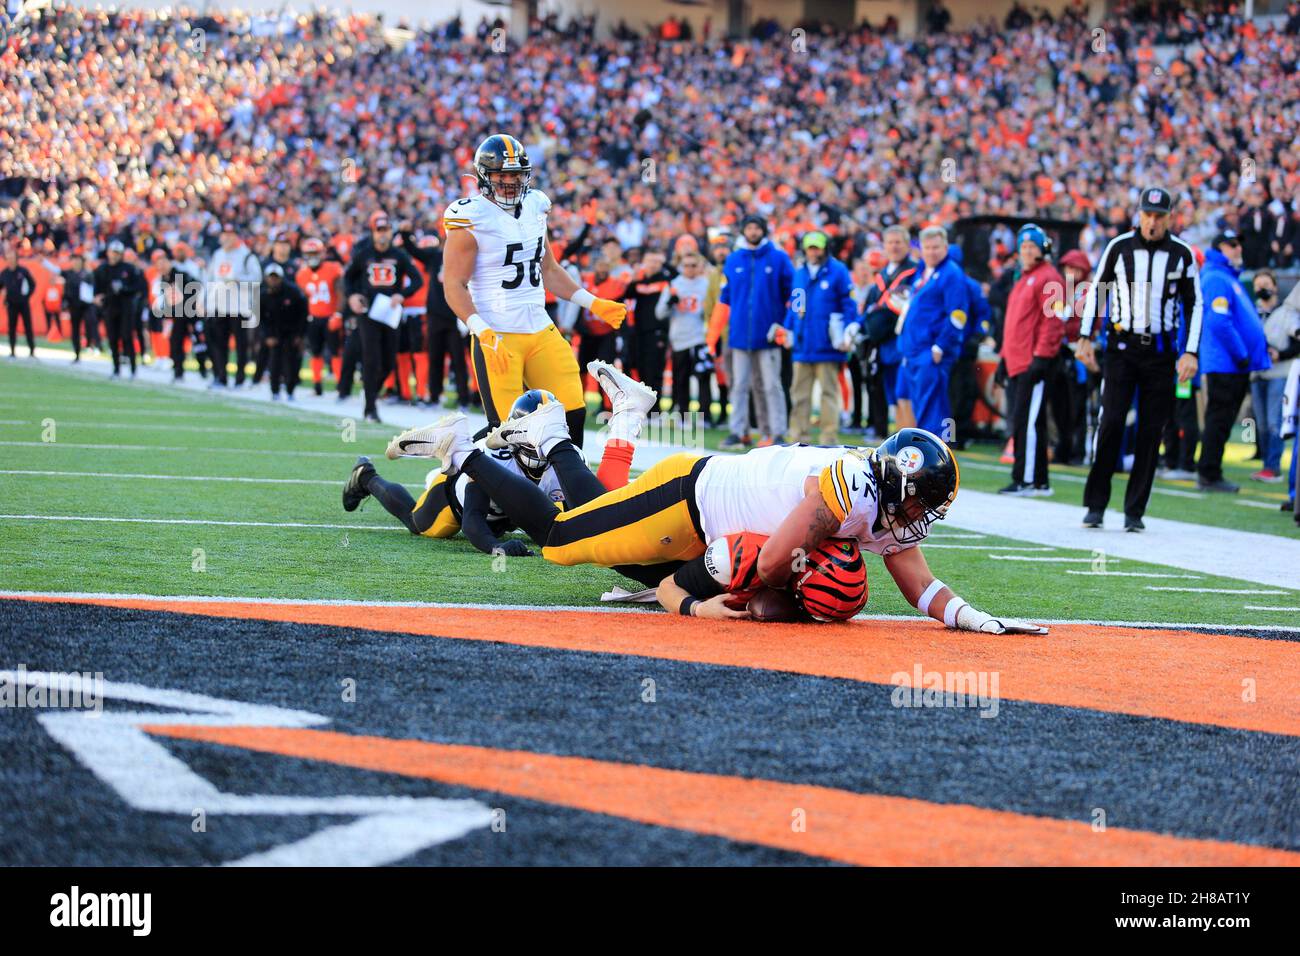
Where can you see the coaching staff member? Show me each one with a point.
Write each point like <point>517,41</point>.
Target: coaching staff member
<point>378,268</point>
<point>1144,276</point>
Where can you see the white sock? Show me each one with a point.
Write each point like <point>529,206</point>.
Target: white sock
<point>626,426</point>
<point>460,452</point>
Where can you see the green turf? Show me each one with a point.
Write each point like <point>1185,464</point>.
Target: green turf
<point>181,433</point>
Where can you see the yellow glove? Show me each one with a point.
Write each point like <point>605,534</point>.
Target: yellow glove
<point>495,355</point>
<point>607,310</point>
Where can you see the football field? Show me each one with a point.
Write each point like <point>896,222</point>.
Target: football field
<point>323,687</point>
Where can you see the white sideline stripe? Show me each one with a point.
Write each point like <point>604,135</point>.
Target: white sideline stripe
<point>186,449</point>
<point>1258,607</point>
<point>1016,557</point>
<point>595,609</point>
<point>229,524</point>
<point>1253,558</point>
<point>323,429</point>
<point>1155,587</point>
<point>241,480</point>
<point>1271,506</point>
<point>954,535</point>
<point>929,545</point>
<point>1136,574</point>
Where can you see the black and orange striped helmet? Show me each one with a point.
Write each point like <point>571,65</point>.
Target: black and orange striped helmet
<point>833,584</point>
<point>502,153</point>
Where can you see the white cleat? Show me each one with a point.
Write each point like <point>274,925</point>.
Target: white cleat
<point>539,430</point>
<point>625,393</point>
<point>439,440</point>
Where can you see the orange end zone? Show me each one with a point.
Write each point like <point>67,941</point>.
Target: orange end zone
<point>1177,675</point>
<point>864,829</point>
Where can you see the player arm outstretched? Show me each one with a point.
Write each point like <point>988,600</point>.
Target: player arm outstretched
<point>704,597</point>
<point>474,525</point>
<point>932,597</point>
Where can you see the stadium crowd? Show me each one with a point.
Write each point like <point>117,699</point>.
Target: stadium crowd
<point>168,141</point>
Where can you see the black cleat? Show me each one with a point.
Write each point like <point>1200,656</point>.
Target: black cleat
<point>1092,519</point>
<point>355,491</point>
<point>1133,524</point>
<point>319,390</point>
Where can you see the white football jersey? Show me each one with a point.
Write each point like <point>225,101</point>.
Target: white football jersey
<point>507,283</point>
<point>757,490</point>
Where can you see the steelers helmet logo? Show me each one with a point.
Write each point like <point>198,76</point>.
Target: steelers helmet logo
<point>909,459</point>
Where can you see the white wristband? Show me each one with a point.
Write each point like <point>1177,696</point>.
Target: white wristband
<point>951,612</point>
<point>923,602</point>
<point>969,619</point>
<point>582,299</point>
<point>476,325</point>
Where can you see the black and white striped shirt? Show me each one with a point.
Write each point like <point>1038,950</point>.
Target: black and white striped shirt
<point>1144,283</point>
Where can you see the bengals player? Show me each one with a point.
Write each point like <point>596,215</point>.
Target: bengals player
<point>321,281</point>
<point>378,267</point>
<point>497,268</point>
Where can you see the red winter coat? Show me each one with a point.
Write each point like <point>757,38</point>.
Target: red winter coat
<point>1033,327</point>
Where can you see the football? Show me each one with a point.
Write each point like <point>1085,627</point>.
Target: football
<point>772,606</point>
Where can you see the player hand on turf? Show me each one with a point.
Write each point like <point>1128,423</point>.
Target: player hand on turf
<point>715,609</point>
<point>514,548</point>
<point>607,310</point>
<point>1009,625</point>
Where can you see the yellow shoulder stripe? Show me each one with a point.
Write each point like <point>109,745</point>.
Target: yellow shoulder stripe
<point>834,490</point>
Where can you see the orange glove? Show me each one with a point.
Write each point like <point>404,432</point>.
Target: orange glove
<point>335,322</point>
<point>607,310</point>
<point>495,355</point>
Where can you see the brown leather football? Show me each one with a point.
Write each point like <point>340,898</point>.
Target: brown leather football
<point>773,606</point>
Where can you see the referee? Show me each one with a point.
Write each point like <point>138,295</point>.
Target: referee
<point>1144,276</point>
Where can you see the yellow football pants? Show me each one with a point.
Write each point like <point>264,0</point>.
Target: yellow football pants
<point>537,360</point>
<point>648,521</point>
<point>434,507</point>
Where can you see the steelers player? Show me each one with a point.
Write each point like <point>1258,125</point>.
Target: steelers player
<point>497,268</point>
<point>886,498</point>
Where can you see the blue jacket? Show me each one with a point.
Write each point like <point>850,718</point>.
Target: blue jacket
<point>937,314</point>
<point>1232,336</point>
<point>812,303</point>
<point>981,315</point>
<point>757,287</point>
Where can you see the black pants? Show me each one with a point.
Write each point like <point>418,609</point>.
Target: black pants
<point>446,341</point>
<point>602,347</point>
<point>20,309</point>
<point>1149,374</point>
<point>532,510</point>
<point>1029,426</point>
<point>877,401</point>
<point>1182,432</point>
<point>176,346</point>
<point>1224,393</point>
<point>350,359</point>
<point>378,358</point>
<point>220,328</point>
<point>963,391</point>
<point>284,362</point>
<point>80,316</point>
<point>118,324</point>
<point>857,390</point>
<point>1065,397</point>
<point>684,362</point>
<point>651,357</point>
<point>262,353</point>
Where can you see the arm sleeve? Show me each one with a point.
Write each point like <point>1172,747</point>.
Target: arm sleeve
<point>1192,306</point>
<point>473,521</point>
<point>414,281</point>
<point>694,578</point>
<point>1101,281</point>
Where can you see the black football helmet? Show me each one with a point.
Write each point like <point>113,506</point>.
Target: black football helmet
<point>500,153</point>
<point>917,479</point>
<point>530,460</point>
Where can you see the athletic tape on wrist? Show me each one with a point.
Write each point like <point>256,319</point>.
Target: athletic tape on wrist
<point>687,604</point>
<point>952,610</point>
<point>476,325</point>
<point>923,602</point>
<point>582,299</point>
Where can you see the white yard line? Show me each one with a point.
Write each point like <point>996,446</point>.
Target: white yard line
<point>1016,557</point>
<point>594,609</point>
<point>201,449</point>
<point>931,545</point>
<point>202,521</point>
<point>1258,607</point>
<point>1136,574</point>
<point>1155,587</point>
<point>204,478</point>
